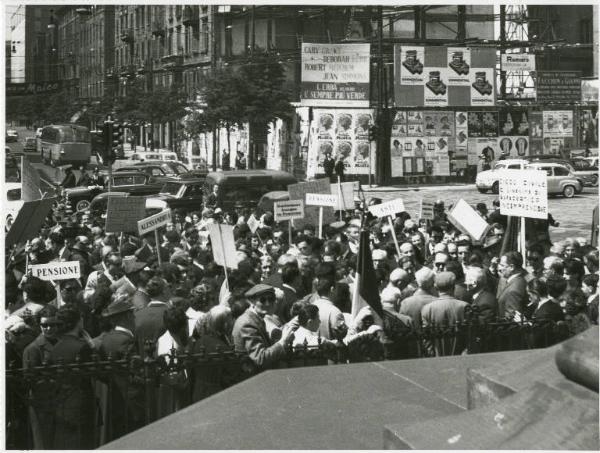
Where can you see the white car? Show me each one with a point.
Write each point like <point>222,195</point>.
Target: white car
<point>169,157</point>
<point>488,179</point>
<point>143,156</point>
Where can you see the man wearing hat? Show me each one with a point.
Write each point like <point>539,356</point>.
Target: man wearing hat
<point>446,311</point>
<point>250,332</point>
<point>126,405</point>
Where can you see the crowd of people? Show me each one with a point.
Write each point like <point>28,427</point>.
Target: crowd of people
<point>136,296</point>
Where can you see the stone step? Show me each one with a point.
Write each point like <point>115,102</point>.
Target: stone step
<point>558,416</point>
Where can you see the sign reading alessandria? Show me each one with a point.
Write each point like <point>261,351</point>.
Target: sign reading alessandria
<point>335,75</point>
<point>154,222</point>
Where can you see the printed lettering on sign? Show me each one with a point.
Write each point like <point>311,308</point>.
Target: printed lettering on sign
<point>56,270</point>
<point>524,193</point>
<point>319,199</point>
<point>387,208</point>
<point>154,222</point>
<point>288,210</point>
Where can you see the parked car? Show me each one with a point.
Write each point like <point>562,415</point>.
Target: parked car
<point>582,177</point>
<point>182,193</point>
<point>585,171</point>
<point>131,182</point>
<point>245,187</point>
<point>12,186</point>
<point>12,136</point>
<point>561,180</point>
<point>99,204</point>
<point>143,156</point>
<point>169,156</point>
<point>30,144</point>
<point>157,168</point>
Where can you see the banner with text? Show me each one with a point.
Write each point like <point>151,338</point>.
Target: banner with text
<point>288,210</point>
<point>335,75</point>
<point>154,222</point>
<point>523,193</point>
<point>56,270</point>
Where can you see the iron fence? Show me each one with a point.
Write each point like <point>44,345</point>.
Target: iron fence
<point>85,404</point>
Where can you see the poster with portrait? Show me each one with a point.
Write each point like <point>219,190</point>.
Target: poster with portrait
<point>588,128</point>
<point>436,88</point>
<point>475,124</point>
<point>536,121</point>
<point>414,117</point>
<point>461,121</point>
<point>558,123</point>
<point>415,130</point>
<point>429,124</point>
<point>444,124</point>
<point>344,134</point>
<point>459,66</point>
<point>411,63</point>
<point>399,124</point>
<point>482,87</point>
<point>396,151</point>
<point>486,151</point>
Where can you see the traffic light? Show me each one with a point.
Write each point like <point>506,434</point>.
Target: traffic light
<point>373,133</point>
<point>110,134</point>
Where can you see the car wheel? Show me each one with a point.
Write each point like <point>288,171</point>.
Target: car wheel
<point>9,221</point>
<point>496,187</point>
<point>82,205</point>
<point>594,180</point>
<point>482,190</point>
<point>569,191</point>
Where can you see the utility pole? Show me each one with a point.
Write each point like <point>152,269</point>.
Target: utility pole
<point>502,49</point>
<point>379,115</point>
<point>213,65</point>
<point>251,150</point>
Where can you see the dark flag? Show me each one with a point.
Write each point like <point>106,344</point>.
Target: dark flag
<point>366,292</point>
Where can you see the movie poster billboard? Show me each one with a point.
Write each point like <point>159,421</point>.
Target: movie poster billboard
<point>335,75</point>
<point>513,146</point>
<point>444,76</point>
<point>514,122</point>
<point>483,124</point>
<point>558,123</point>
<point>341,133</point>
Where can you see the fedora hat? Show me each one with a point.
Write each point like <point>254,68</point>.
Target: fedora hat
<point>120,305</point>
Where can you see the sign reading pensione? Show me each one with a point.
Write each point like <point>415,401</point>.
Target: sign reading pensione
<point>524,193</point>
<point>320,199</point>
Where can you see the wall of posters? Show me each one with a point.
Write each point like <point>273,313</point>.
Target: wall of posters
<point>513,147</point>
<point>335,75</point>
<point>588,128</point>
<point>444,76</point>
<point>482,124</point>
<point>341,132</point>
<point>558,123</point>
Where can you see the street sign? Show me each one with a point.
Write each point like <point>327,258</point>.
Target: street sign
<point>288,210</point>
<point>388,208</point>
<point>523,193</point>
<point>319,199</point>
<point>154,222</point>
<point>56,270</point>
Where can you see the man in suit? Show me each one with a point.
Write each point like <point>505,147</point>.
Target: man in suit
<point>149,323</point>
<point>290,277</point>
<point>58,247</point>
<point>250,332</point>
<point>548,308</point>
<point>127,403</point>
<point>512,287</point>
<point>482,298</point>
<point>412,306</point>
<point>140,298</point>
<point>444,311</point>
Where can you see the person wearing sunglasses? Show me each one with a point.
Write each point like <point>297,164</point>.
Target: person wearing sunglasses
<point>440,261</point>
<point>250,332</point>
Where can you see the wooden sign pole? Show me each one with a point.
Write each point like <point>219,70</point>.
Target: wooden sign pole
<point>394,235</point>
<point>320,222</point>
<point>290,231</point>
<point>157,240</point>
<point>341,200</point>
<point>522,239</point>
<point>224,256</point>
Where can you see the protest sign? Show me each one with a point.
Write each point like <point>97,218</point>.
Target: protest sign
<point>154,222</point>
<point>123,213</point>
<point>426,209</point>
<point>30,180</point>
<point>223,245</point>
<point>388,208</point>
<point>56,270</point>
<point>523,193</point>
<point>29,221</point>
<point>345,194</point>
<point>253,223</point>
<point>319,199</point>
<point>288,210</point>
<point>298,191</point>
<point>468,220</point>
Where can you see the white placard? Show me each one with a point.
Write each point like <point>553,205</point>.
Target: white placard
<point>344,190</point>
<point>154,222</point>
<point>288,210</point>
<point>518,62</point>
<point>320,199</point>
<point>524,193</point>
<point>56,270</point>
<point>223,245</point>
<point>253,223</point>
<point>468,220</point>
<point>387,208</point>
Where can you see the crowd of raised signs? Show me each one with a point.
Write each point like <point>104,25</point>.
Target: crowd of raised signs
<point>130,290</point>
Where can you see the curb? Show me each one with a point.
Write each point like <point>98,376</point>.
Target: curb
<point>417,188</point>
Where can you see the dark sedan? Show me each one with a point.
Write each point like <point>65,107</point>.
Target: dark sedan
<point>131,182</point>
<point>185,193</point>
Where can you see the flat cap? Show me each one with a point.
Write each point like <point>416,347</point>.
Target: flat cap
<point>259,290</point>
<point>379,255</point>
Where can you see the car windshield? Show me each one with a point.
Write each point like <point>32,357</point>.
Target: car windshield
<point>13,195</point>
<point>168,157</point>
<point>499,166</point>
<point>179,169</point>
<point>171,188</point>
<point>30,141</point>
<point>11,171</point>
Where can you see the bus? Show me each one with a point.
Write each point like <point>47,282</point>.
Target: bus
<point>66,144</point>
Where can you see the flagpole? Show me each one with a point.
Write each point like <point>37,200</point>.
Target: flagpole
<point>394,236</point>
<point>224,257</point>
<point>320,222</point>
<point>341,200</point>
<point>157,240</point>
